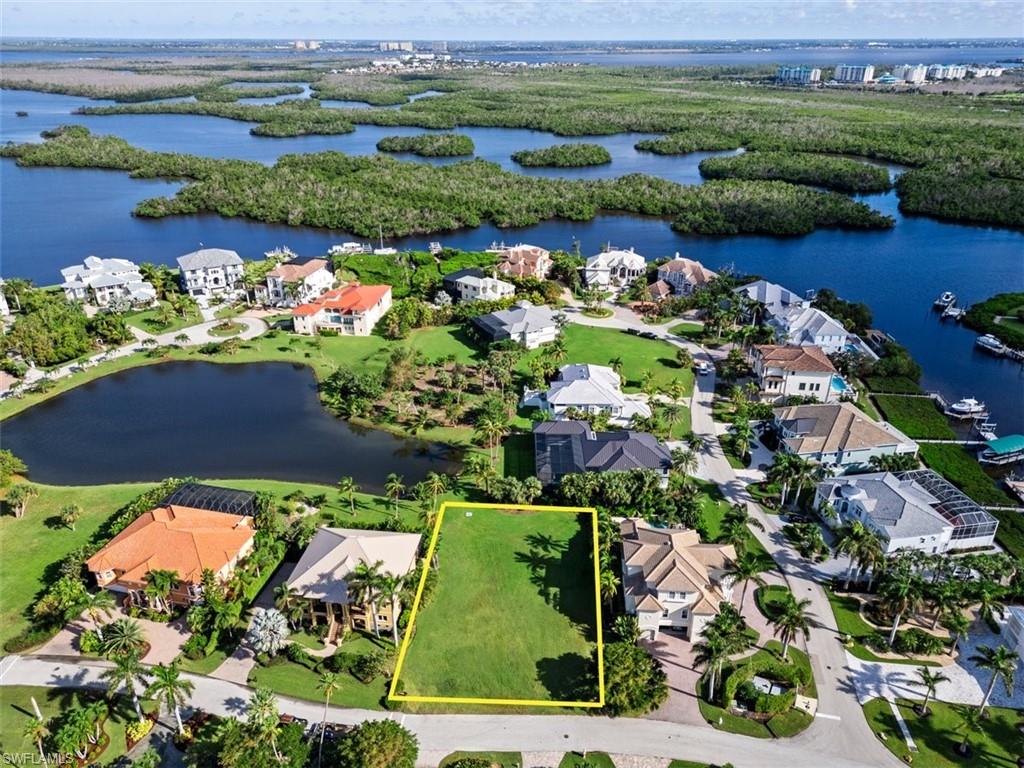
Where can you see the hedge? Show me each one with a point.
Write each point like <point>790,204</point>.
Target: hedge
<point>775,668</point>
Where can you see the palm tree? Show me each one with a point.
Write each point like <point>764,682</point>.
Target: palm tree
<point>684,460</point>
<point>740,513</point>
<point>37,731</point>
<point>742,437</point>
<point>958,625</point>
<point>710,655</point>
<point>609,585</point>
<point>902,591</point>
<point>1001,662</point>
<point>616,364</point>
<point>990,601</point>
<point>393,489</point>
<point>781,472</point>
<point>126,673</point>
<point>172,688</point>
<point>804,471</point>
<point>159,584</point>
<point>491,429</point>
<point>97,604</point>
<point>263,718</point>
<point>288,601</point>
<point>930,681</point>
<point>945,599</point>
<point>364,582</point>
<point>971,721</point>
<point>435,484</point>
<point>792,619</point>
<point>848,543</point>
<point>744,570</point>
<point>627,628</point>
<point>122,636</point>
<point>391,590</point>
<point>69,515</point>
<point>18,496</point>
<point>348,487</point>
<point>328,684</point>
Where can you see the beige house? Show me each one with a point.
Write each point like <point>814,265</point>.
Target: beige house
<point>321,575</point>
<point>173,538</point>
<point>524,261</point>
<point>352,310</point>
<point>295,282</point>
<point>671,580</point>
<point>685,275</point>
<point>792,371</point>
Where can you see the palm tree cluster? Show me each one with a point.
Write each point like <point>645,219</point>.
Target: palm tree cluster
<point>369,585</point>
<point>724,636</point>
<point>792,472</point>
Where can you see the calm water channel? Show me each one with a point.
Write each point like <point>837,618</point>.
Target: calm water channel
<point>209,420</point>
<point>53,217</point>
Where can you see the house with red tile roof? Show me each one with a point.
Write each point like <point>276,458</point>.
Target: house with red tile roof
<point>671,580</point>
<point>173,538</point>
<point>792,371</point>
<point>524,261</point>
<point>352,310</point>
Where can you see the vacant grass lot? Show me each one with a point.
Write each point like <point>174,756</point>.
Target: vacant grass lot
<point>996,745</point>
<point>915,416</point>
<point>513,614</point>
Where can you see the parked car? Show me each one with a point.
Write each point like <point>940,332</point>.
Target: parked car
<point>703,367</point>
<point>648,335</point>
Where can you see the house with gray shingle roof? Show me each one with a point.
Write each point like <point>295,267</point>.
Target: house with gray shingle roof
<point>671,580</point>
<point>209,271</point>
<point>588,389</point>
<point>523,323</point>
<point>568,447</point>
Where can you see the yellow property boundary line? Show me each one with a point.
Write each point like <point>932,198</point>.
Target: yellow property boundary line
<point>393,696</point>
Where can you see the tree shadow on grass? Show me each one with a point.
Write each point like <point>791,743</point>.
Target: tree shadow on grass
<point>570,677</point>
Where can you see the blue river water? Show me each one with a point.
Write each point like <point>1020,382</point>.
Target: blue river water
<point>50,218</point>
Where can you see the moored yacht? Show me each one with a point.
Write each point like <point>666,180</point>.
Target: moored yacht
<point>990,343</point>
<point>947,299</point>
<point>966,408</point>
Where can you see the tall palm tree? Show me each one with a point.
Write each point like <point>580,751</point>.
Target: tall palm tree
<point>123,636</point>
<point>348,487</point>
<point>684,460</point>
<point>792,619</point>
<point>709,654</point>
<point>902,591</point>
<point>990,600</point>
<point>742,437</point>
<point>263,718</point>
<point>740,513</point>
<point>804,472</point>
<point>1001,662</point>
<point>288,601</point>
<point>848,543</point>
<point>391,590</point>
<point>744,570</point>
<point>365,582</point>
<point>97,604</point>
<point>491,429</point>
<point>609,585</point>
<point>37,730</point>
<point>18,496</point>
<point>436,484</point>
<point>945,599</point>
<point>393,489</point>
<point>929,680</point>
<point>169,686</point>
<point>159,584</point>
<point>328,685</point>
<point>781,472</point>
<point>958,626</point>
<point>126,673</point>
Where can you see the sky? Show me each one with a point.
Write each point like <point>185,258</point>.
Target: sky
<point>512,19</point>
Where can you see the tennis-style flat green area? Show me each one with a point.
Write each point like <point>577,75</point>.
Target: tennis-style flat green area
<point>513,614</point>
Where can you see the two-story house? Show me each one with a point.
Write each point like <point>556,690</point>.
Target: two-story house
<point>685,275</point>
<point>524,261</point>
<point>102,281</point>
<point>809,327</point>
<point>614,269</point>
<point>296,282</point>
<point>790,371</point>
<point>588,389</point>
<point>352,310</point>
<point>210,271</point>
<point>672,581</point>
<point>476,288</point>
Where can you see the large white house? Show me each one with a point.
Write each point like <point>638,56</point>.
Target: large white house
<point>352,310</point>
<point>809,326</point>
<point>685,275</point>
<point>523,323</point>
<point>789,371</point>
<point>296,282</point>
<point>671,580</point>
<point>614,269</point>
<point>772,296</point>
<point>482,288</point>
<point>588,389</point>
<point>916,509</point>
<point>101,281</point>
<point>210,271</point>
<point>838,436</point>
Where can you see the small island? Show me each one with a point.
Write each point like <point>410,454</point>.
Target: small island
<point>429,144</point>
<point>842,174</point>
<point>563,156</point>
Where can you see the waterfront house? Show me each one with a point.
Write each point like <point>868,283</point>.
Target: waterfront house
<point>917,509</point>
<point>210,271</point>
<point>590,390</point>
<point>791,371</point>
<point>524,261</point>
<point>566,447</point>
<point>212,498</point>
<point>474,288</point>
<point>671,580</point>
<point>771,296</point>
<point>449,283</point>
<point>685,275</point>
<point>614,269</point>
<point>837,435</point>
<point>523,323</point>
<point>102,281</point>
<point>809,326</point>
<point>173,538</point>
<point>352,310</point>
<point>322,574</point>
<point>296,282</point>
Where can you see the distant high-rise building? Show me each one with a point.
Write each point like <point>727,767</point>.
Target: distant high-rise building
<point>910,73</point>
<point>798,75</point>
<point>850,73</point>
<point>947,72</point>
<point>396,46</point>
<point>439,47</point>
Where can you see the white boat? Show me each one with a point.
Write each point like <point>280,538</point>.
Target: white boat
<point>966,408</point>
<point>947,299</point>
<point>991,343</point>
<point>953,312</point>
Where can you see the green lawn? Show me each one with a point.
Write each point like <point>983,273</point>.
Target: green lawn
<point>690,331</point>
<point>148,320</point>
<point>996,745</point>
<point>846,609</point>
<point>958,466</point>
<point>588,760</point>
<point>513,612</point>
<point>769,598</point>
<point>497,759</point>
<point>897,384</point>
<point>713,509</point>
<point>915,416</point>
<point>16,711</point>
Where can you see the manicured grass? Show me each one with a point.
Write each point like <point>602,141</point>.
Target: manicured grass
<point>227,328</point>
<point>997,744</point>
<point>512,615</point>
<point>292,679</point>
<point>713,509</point>
<point>962,469</point>
<point>846,609</point>
<point>16,711</point>
<point>498,759</point>
<point>148,320</point>
<point>769,598</point>
<point>589,760</point>
<point>915,416</point>
<point>691,331</point>
<point>865,404</point>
